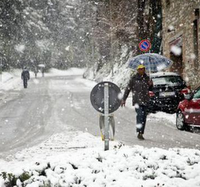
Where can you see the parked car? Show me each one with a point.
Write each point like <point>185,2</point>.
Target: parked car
<point>167,91</point>
<point>188,113</point>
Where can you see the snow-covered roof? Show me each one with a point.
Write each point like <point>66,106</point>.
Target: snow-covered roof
<point>164,74</point>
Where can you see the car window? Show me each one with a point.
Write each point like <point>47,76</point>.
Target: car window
<point>197,94</point>
<point>169,80</point>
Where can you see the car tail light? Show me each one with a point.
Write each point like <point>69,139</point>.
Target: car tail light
<point>186,90</point>
<point>151,94</point>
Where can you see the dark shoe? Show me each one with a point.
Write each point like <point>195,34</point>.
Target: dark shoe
<point>140,136</point>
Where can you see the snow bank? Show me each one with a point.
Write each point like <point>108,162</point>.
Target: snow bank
<point>120,75</point>
<point>10,80</point>
<point>78,159</point>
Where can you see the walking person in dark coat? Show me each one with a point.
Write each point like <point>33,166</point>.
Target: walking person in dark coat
<point>25,75</point>
<point>140,85</point>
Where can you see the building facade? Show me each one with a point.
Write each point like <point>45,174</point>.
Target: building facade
<point>181,43</point>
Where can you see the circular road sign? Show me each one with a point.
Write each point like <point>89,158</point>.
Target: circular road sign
<point>145,45</point>
<point>97,97</point>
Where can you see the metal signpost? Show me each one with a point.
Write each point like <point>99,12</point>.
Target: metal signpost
<point>105,99</point>
<point>106,112</point>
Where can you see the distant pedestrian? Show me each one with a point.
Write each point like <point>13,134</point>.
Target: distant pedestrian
<point>140,85</point>
<point>25,75</point>
<point>35,72</point>
<point>42,72</point>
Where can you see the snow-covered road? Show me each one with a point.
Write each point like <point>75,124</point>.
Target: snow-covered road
<point>55,104</point>
<point>49,136</point>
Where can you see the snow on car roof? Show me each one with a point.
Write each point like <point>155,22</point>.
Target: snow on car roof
<point>158,74</point>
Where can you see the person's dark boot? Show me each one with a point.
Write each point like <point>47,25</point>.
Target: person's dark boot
<point>140,136</point>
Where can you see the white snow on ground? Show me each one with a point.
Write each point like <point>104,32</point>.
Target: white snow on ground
<point>71,71</point>
<point>120,74</point>
<point>77,159</point>
<point>163,116</point>
<point>10,80</point>
<point>88,83</point>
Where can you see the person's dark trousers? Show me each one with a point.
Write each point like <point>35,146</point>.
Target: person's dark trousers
<point>25,81</point>
<point>141,118</point>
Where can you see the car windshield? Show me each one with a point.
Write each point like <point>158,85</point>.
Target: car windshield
<point>167,80</point>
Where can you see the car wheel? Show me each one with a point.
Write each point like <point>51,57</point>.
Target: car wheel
<point>180,121</point>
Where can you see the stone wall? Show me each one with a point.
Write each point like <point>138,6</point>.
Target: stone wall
<point>178,18</point>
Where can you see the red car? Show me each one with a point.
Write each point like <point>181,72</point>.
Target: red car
<point>188,113</point>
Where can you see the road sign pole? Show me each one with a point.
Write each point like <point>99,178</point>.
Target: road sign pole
<point>104,98</point>
<point>106,112</point>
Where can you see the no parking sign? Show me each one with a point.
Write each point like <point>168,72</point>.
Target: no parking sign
<point>145,45</point>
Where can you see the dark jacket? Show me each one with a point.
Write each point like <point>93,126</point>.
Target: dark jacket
<point>139,85</point>
<point>25,74</point>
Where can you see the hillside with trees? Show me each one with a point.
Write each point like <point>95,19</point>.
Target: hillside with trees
<point>75,33</point>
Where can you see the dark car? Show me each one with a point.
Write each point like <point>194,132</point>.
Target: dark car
<point>188,113</point>
<point>168,90</point>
